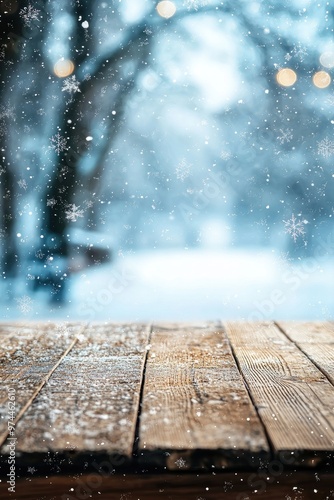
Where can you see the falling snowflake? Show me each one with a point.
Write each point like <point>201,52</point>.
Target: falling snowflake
<point>300,52</point>
<point>24,304</point>
<point>7,112</point>
<point>330,100</point>
<point>2,170</point>
<point>73,213</point>
<point>23,184</point>
<point>39,254</point>
<point>295,227</point>
<point>71,85</point>
<point>31,470</point>
<point>29,14</point>
<point>89,203</point>
<point>286,135</point>
<point>181,463</point>
<point>326,147</point>
<point>51,202</point>
<point>195,4</point>
<point>182,171</point>
<point>58,143</point>
<point>227,486</point>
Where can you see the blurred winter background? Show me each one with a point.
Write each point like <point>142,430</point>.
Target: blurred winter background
<point>166,160</point>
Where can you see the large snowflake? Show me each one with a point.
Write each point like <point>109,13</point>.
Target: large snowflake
<point>29,14</point>
<point>285,135</point>
<point>326,147</point>
<point>294,227</point>
<point>71,85</point>
<point>73,213</point>
<point>25,304</point>
<point>58,143</point>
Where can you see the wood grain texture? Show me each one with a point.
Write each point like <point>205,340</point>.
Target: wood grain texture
<point>28,356</point>
<point>315,332</point>
<point>196,411</point>
<point>316,340</point>
<point>261,485</point>
<point>294,399</point>
<point>91,401</point>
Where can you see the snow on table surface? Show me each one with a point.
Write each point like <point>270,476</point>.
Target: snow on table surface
<point>191,285</point>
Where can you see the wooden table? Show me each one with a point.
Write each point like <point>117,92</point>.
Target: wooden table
<point>173,411</point>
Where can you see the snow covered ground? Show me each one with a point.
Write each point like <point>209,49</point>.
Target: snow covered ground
<point>191,285</point>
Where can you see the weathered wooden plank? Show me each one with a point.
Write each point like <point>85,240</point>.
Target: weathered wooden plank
<point>294,399</point>
<point>91,401</point>
<point>274,484</point>
<point>196,411</point>
<point>315,332</point>
<point>28,356</point>
<point>316,340</point>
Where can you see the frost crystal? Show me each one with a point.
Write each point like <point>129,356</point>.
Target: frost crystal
<point>326,148</point>
<point>29,14</point>
<point>286,135</point>
<point>24,304</point>
<point>58,143</point>
<point>71,85</point>
<point>295,227</point>
<point>73,213</point>
<point>182,171</point>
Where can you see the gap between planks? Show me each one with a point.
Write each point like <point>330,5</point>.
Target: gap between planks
<point>251,397</point>
<point>196,411</point>
<point>315,340</point>
<point>135,448</point>
<point>293,398</point>
<point>82,407</point>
